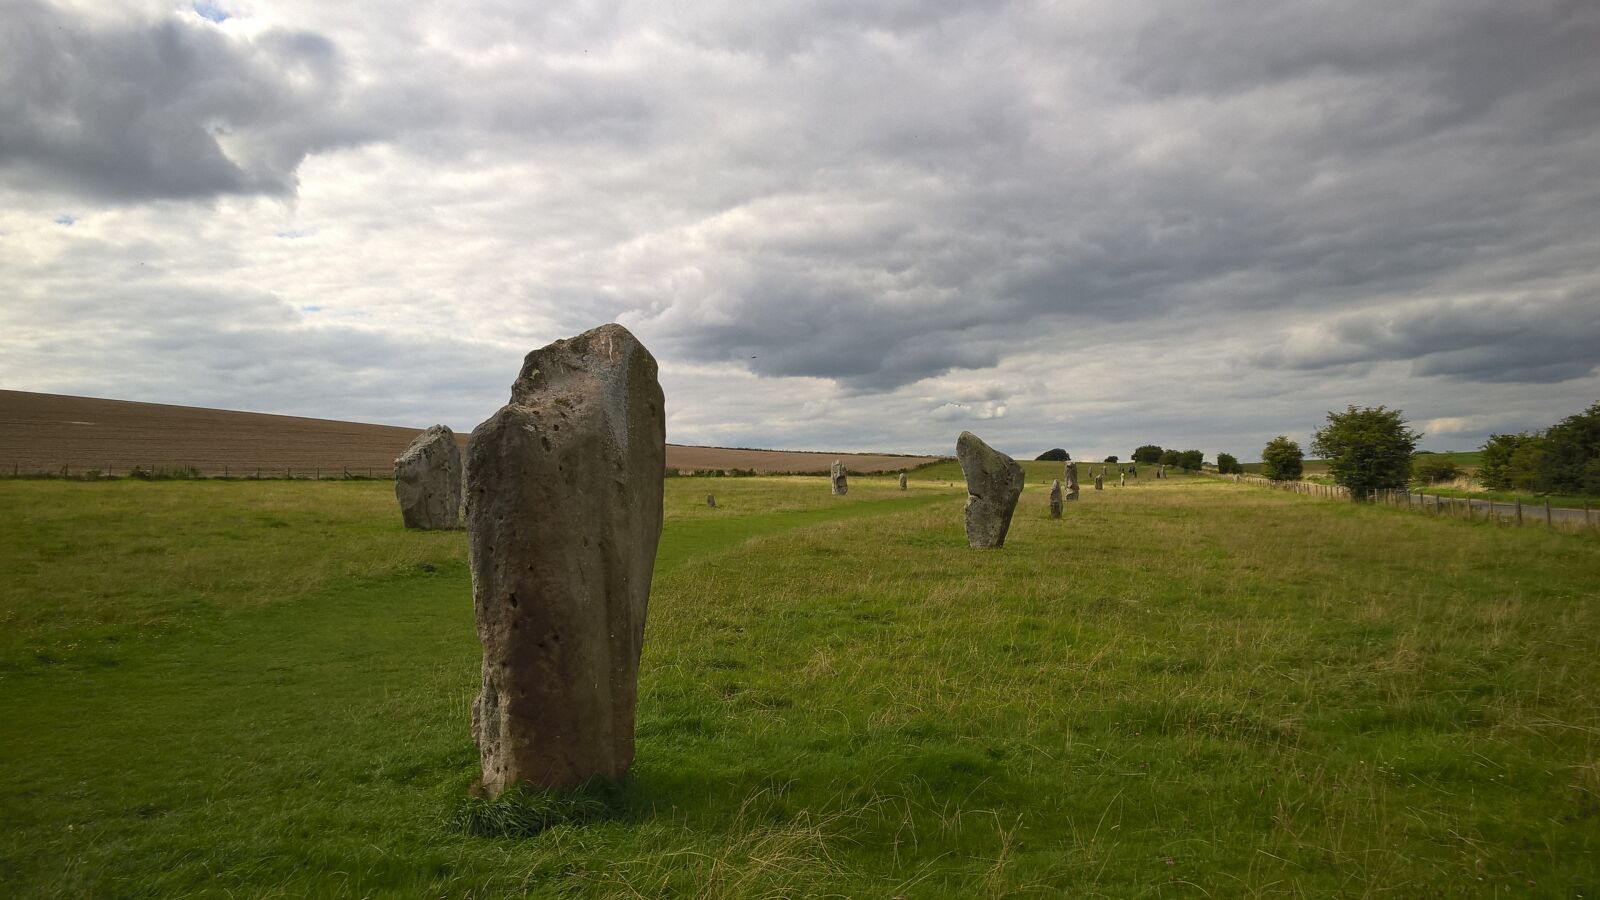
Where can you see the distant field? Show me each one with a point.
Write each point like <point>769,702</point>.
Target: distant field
<point>46,432</point>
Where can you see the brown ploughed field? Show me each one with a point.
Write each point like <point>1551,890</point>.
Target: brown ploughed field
<point>49,433</point>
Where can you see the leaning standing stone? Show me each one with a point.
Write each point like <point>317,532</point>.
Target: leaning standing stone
<point>1099,483</point>
<point>427,481</point>
<point>1055,499</point>
<point>1072,481</point>
<point>994,481</point>
<point>837,477</point>
<point>902,481</point>
<point>563,516</point>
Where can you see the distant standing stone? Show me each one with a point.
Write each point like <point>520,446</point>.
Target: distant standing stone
<point>1055,499</point>
<point>1122,480</point>
<point>902,481</point>
<point>1072,481</point>
<point>994,482</point>
<point>711,500</point>
<point>427,481</point>
<point>838,478</point>
<point>1099,483</point>
<point>564,516</point>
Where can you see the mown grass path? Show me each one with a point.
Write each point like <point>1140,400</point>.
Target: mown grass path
<point>1184,688</point>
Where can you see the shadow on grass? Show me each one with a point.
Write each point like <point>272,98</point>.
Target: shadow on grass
<point>524,812</point>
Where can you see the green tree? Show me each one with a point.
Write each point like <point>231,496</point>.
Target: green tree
<point>1056,455</point>
<point>1571,460</point>
<point>1171,458</point>
<point>1111,459</point>
<point>1368,448</point>
<point>1149,454</point>
<point>1281,459</point>
<point>1431,468</point>
<point>1498,468</point>
<point>1191,460</point>
<point>1227,464</point>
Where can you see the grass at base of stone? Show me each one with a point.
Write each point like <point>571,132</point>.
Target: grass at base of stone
<point>1190,687</point>
<point>524,812</point>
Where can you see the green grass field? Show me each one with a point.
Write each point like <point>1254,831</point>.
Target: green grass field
<point>1184,688</point>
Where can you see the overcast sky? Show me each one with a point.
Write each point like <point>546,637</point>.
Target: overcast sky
<point>838,225</point>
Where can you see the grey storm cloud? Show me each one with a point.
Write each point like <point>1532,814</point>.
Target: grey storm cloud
<point>1537,340</point>
<point>844,207</point>
<point>174,108</point>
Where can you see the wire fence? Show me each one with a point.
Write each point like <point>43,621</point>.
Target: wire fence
<point>202,469</point>
<point>1509,512</point>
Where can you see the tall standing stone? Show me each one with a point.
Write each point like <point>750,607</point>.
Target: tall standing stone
<point>427,481</point>
<point>1099,483</point>
<point>838,478</point>
<point>994,481</point>
<point>564,515</point>
<point>1055,499</point>
<point>902,481</point>
<point>711,500</point>
<point>1072,481</point>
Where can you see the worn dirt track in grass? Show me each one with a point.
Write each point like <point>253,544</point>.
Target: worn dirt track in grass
<point>43,433</point>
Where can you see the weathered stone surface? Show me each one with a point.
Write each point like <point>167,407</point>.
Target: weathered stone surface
<point>1122,480</point>
<point>1071,474</point>
<point>994,481</point>
<point>711,500</point>
<point>564,516</point>
<point>1099,482</point>
<point>902,481</point>
<point>1055,499</point>
<point>427,481</point>
<point>837,477</point>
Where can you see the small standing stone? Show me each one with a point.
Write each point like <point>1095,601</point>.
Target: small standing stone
<point>994,482</point>
<point>838,478</point>
<point>902,481</point>
<point>1072,481</point>
<point>563,518</point>
<point>1099,483</point>
<point>711,500</point>
<point>427,481</point>
<point>1055,499</point>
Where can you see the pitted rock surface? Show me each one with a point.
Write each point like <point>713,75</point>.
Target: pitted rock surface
<point>427,481</point>
<point>994,481</point>
<point>564,516</point>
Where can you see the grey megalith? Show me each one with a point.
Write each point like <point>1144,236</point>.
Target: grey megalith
<point>1055,499</point>
<point>564,516</point>
<point>427,481</point>
<point>994,481</point>
<point>837,478</point>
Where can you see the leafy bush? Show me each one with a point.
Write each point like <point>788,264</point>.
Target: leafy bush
<point>1367,449</point>
<point>1281,459</point>
<point>1562,460</point>
<point>1111,459</point>
<point>1056,455</point>
<point>1227,464</point>
<point>1191,460</point>
<point>1429,468</point>
<point>1149,454</point>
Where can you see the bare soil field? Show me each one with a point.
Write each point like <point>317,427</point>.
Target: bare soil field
<point>49,433</point>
